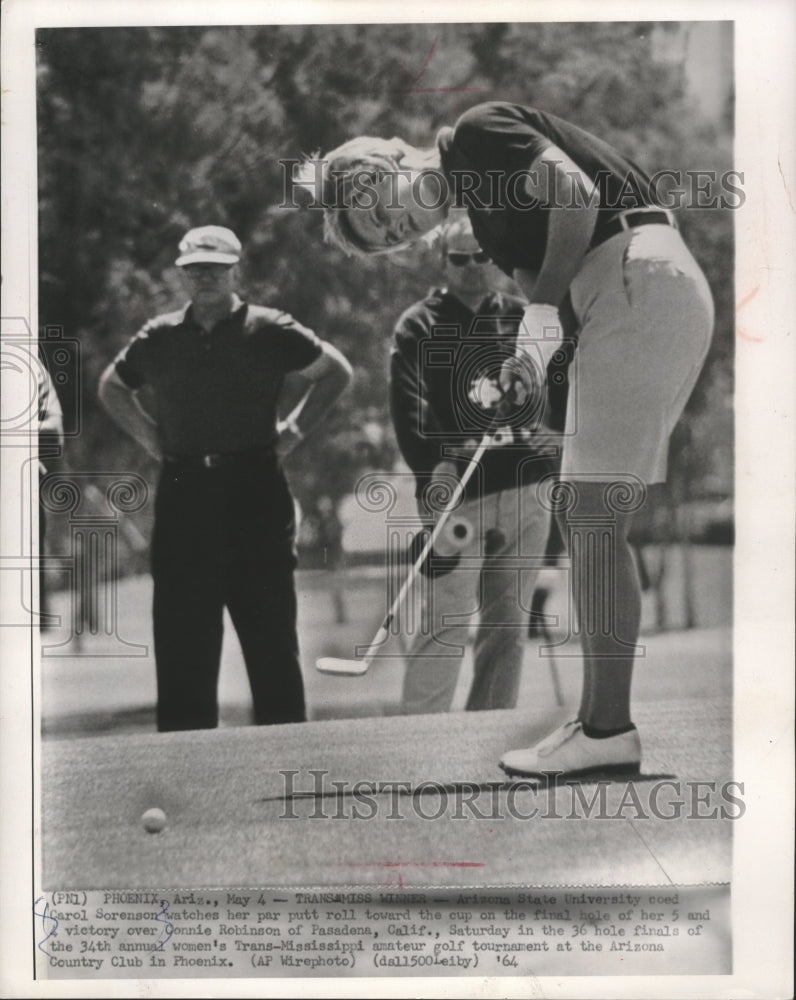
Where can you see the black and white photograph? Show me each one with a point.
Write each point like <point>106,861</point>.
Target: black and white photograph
<point>397,536</point>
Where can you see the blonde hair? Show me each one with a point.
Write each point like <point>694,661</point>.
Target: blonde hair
<point>365,156</point>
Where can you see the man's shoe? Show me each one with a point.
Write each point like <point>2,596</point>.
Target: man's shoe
<point>568,752</point>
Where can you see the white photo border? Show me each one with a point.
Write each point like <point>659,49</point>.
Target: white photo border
<point>762,887</point>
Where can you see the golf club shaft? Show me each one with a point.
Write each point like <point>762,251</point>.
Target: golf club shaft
<point>381,636</point>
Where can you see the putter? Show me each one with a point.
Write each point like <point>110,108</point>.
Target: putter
<point>353,668</point>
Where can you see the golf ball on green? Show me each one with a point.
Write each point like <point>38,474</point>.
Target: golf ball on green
<point>154,820</point>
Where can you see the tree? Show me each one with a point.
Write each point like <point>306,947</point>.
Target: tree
<point>144,132</point>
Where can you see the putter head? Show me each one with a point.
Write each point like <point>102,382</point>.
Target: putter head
<point>336,665</point>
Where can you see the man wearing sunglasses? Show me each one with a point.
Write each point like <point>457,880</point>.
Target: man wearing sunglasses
<point>461,258</point>
<point>200,390</point>
<point>445,365</point>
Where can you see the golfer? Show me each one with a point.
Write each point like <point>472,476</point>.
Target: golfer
<point>199,389</point>
<point>573,221</point>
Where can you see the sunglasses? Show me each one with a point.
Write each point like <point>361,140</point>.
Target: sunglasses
<point>198,270</point>
<point>461,259</point>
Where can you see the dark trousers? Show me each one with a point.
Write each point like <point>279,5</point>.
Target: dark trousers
<point>224,537</point>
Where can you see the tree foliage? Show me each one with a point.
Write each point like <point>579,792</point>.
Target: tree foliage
<point>144,132</point>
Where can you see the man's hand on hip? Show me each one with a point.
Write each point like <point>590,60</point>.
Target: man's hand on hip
<point>438,490</point>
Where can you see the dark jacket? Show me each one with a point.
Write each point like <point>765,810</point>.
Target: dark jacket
<point>444,366</point>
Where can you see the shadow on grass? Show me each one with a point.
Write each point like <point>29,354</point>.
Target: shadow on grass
<point>470,788</point>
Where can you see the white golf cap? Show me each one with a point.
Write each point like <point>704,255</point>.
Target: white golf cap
<point>209,245</point>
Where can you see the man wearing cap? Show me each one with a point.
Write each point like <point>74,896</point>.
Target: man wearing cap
<point>199,389</point>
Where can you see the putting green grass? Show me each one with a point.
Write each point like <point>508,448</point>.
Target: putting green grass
<point>228,823</point>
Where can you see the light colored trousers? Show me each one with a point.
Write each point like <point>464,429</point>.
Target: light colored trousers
<point>646,318</point>
<point>507,526</point>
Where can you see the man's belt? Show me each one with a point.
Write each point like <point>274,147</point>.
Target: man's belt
<point>216,460</point>
<point>631,219</point>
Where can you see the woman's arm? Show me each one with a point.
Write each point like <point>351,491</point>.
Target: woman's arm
<point>562,187</point>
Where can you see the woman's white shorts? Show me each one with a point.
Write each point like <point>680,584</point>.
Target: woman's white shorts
<point>646,318</point>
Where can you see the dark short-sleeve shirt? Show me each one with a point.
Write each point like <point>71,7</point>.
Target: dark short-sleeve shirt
<point>492,145</point>
<point>442,353</point>
<point>217,392</point>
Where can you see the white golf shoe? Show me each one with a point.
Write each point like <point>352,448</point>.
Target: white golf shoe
<point>568,752</point>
